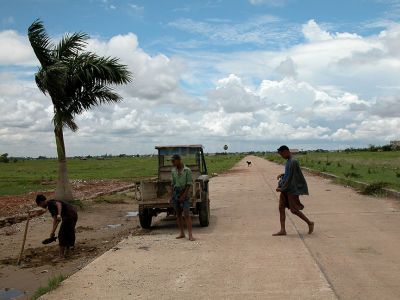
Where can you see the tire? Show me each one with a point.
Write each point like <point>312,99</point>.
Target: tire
<point>204,212</point>
<point>145,217</point>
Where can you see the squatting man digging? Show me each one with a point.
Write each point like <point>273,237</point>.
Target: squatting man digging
<point>291,185</point>
<point>66,214</point>
<point>181,183</point>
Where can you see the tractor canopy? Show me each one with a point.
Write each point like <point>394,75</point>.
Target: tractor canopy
<point>192,156</point>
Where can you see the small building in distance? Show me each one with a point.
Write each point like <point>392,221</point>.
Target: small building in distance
<point>395,144</point>
<point>295,151</point>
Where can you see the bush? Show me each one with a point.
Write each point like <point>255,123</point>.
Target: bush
<point>4,158</point>
<point>352,175</point>
<point>376,189</point>
<point>387,148</point>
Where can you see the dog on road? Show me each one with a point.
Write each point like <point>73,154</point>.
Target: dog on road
<point>248,163</point>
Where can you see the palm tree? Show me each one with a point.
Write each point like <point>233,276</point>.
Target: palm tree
<point>76,81</point>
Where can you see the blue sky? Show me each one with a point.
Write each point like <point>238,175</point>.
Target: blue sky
<point>151,20</point>
<point>250,73</point>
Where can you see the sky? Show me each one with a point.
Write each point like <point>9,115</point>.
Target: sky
<point>252,74</point>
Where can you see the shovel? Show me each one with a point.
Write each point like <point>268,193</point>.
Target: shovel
<point>49,240</point>
<point>23,241</point>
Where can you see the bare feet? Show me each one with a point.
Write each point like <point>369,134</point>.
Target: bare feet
<point>311,228</point>
<point>282,232</point>
<point>181,236</point>
<point>192,239</point>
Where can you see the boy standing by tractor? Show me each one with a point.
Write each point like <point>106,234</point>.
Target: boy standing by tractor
<point>181,183</point>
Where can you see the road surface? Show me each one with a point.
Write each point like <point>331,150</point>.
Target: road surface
<point>353,254</point>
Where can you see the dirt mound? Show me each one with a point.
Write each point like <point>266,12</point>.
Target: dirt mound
<point>37,257</point>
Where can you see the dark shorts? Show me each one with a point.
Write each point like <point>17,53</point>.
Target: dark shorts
<point>290,201</point>
<point>66,234</point>
<point>185,205</point>
<point>178,205</point>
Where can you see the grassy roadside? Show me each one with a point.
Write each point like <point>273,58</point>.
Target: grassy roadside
<point>38,175</point>
<point>378,169</point>
<point>52,284</point>
<point>220,163</point>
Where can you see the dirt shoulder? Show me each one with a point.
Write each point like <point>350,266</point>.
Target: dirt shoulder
<point>100,227</point>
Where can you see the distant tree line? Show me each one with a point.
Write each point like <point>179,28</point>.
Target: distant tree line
<point>5,159</point>
<point>374,148</point>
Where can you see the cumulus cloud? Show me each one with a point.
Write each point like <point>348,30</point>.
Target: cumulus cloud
<point>343,61</point>
<point>25,117</point>
<point>386,107</point>
<point>233,96</point>
<point>287,68</point>
<point>154,76</point>
<point>333,88</point>
<point>373,129</point>
<point>292,110</point>
<point>279,110</point>
<point>15,49</point>
<point>390,38</point>
<point>314,33</point>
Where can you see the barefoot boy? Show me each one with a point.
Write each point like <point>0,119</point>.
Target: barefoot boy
<point>181,183</point>
<point>291,185</point>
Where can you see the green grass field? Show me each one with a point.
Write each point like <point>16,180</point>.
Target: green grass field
<point>36,175</point>
<point>368,167</point>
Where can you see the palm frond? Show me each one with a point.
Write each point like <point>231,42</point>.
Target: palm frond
<point>64,118</point>
<point>75,80</point>
<point>40,80</point>
<point>103,70</point>
<point>53,80</point>
<point>91,96</point>
<point>70,123</point>
<point>40,42</point>
<point>70,45</point>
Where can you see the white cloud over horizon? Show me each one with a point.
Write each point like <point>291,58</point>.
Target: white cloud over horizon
<point>332,89</point>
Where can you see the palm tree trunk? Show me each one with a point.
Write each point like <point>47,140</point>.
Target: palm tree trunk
<point>63,189</point>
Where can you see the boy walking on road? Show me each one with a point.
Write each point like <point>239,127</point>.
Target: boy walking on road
<point>181,183</point>
<point>291,185</point>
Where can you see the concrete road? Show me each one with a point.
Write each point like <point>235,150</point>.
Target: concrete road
<point>353,254</point>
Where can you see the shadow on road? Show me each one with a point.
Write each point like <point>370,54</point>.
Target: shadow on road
<point>164,223</point>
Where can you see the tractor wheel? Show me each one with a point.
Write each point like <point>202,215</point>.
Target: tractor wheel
<point>204,211</point>
<point>145,217</point>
